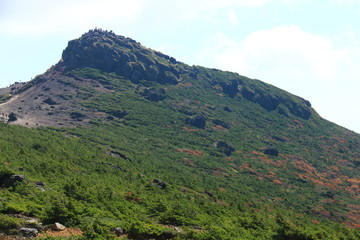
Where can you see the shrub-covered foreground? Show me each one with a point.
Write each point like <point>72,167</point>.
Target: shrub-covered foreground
<point>87,186</point>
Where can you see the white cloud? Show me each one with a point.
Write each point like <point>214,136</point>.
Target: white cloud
<point>232,17</point>
<point>241,3</point>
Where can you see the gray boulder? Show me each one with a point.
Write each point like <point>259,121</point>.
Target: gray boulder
<point>118,231</point>
<point>29,232</point>
<point>58,227</point>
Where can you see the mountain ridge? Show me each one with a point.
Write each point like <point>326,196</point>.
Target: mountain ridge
<point>111,53</point>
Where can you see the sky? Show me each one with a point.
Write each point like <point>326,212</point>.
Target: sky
<point>310,48</point>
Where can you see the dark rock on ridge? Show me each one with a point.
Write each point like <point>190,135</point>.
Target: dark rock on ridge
<point>50,101</point>
<point>119,155</point>
<point>154,95</point>
<point>272,152</point>
<point>12,117</point>
<point>198,121</point>
<point>12,180</point>
<point>118,113</point>
<point>260,94</point>
<point>225,148</point>
<point>159,183</point>
<point>221,123</point>
<point>227,109</point>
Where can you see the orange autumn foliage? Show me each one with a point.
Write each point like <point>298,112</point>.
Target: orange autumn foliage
<point>315,221</point>
<point>191,152</point>
<point>278,182</point>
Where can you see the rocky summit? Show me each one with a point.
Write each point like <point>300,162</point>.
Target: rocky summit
<point>120,140</point>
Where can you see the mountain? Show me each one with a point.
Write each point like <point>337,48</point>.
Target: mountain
<point>118,135</point>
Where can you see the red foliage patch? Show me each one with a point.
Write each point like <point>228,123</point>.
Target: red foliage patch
<point>230,159</point>
<point>278,182</point>
<point>353,180</point>
<point>184,84</point>
<point>255,153</point>
<point>314,221</point>
<point>189,162</point>
<point>190,129</point>
<point>219,128</point>
<point>335,168</point>
<point>298,123</point>
<point>191,152</point>
<point>68,232</point>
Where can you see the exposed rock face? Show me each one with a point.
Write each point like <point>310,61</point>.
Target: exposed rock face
<point>285,105</point>
<point>221,123</point>
<point>12,117</point>
<point>197,121</point>
<point>227,109</point>
<point>225,148</point>
<point>272,152</point>
<point>58,227</point>
<point>77,116</point>
<point>12,180</point>
<point>118,113</point>
<point>50,101</point>
<point>112,53</point>
<point>154,95</point>
<point>230,88</point>
<point>118,231</point>
<point>119,155</point>
<point>29,232</point>
<point>159,183</point>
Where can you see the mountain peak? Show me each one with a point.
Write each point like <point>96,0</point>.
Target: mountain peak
<point>108,52</point>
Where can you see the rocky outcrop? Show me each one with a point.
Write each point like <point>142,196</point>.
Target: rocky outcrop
<point>109,52</point>
<point>221,123</point>
<point>119,155</point>
<point>271,152</point>
<point>198,121</point>
<point>154,95</point>
<point>50,101</point>
<point>261,93</point>
<point>159,183</point>
<point>58,227</point>
<point>12,117</point>
<point>9,181</point>
<point>118,231</point>
<point>225,148</point>
<point>227,109</point>
<point>231,88</point>
<point>29,232</point>
<point>78,116</point>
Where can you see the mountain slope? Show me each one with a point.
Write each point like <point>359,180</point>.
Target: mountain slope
<point>183,145</point>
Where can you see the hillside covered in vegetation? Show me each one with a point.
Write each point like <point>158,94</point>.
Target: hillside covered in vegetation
<point>120,140</point>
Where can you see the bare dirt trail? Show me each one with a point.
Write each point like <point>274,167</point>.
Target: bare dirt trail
<point>9,101</point>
